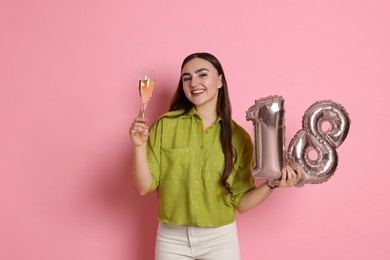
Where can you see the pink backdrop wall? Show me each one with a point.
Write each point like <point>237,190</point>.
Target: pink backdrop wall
<point>68,93</point>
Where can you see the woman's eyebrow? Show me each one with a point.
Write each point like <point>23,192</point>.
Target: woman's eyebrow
<point>196,72</point>
<point>202,69</point>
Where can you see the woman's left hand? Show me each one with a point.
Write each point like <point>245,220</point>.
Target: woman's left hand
<point>289,177</point>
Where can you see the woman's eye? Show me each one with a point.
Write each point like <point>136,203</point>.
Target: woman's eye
<point>203,75</point>
<point>186,78</point>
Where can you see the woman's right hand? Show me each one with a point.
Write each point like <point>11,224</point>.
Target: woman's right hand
<point>139,131</point>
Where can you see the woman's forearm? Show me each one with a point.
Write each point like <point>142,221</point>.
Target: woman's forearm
<point>254,197</point>
<point>142,177</point>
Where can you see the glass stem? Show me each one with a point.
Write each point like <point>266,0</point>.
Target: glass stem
<point>142,110</point>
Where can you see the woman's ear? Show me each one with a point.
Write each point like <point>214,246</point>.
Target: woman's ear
<point>220,85</point>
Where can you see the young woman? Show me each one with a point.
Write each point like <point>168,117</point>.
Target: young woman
<point>200,160</point>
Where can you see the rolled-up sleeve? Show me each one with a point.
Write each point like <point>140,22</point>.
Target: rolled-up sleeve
<point>154,155</point>
<point>242,181</point>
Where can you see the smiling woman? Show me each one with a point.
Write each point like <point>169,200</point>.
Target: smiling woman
<point>199,158</point>
<point>201,82</point>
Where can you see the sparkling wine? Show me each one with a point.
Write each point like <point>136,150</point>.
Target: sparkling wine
<point>146,88</point>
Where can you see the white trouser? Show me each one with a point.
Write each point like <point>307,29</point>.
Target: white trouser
<point>189,242</point>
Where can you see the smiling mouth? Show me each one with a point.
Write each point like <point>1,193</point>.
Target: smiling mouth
<point>198,91</point>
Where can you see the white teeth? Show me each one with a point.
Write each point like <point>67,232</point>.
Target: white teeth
<point>198,91</point>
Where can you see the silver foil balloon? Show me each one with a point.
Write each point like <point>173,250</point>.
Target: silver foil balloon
<point>315,139</point>
<point>267,116</point>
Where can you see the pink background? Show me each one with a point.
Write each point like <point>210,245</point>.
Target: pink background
<point>68,78</point>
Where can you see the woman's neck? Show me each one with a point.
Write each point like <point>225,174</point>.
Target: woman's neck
<point>208,116</point>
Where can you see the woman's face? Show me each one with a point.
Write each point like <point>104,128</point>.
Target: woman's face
<point>201,83</point>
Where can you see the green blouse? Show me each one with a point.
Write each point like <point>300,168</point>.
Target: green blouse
<point>187,163</point>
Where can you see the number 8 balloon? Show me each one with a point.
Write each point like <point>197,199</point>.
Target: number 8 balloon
<point>315,137</point>
<point>270,156</point>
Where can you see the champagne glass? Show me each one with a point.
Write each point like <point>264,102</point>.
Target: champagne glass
<point>146,88</point>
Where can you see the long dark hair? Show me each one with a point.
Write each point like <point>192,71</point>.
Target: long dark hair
<point>224,110</point>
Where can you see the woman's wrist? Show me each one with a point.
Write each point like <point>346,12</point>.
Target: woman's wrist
<point>140,148</point>
<point>272,185</point>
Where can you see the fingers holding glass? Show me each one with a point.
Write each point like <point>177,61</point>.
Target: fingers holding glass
<point>139,126</point>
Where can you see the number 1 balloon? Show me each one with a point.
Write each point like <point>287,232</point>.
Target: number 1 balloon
<point>268,119</point>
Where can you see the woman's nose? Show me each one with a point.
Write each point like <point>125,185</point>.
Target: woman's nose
<point>194,82</point>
